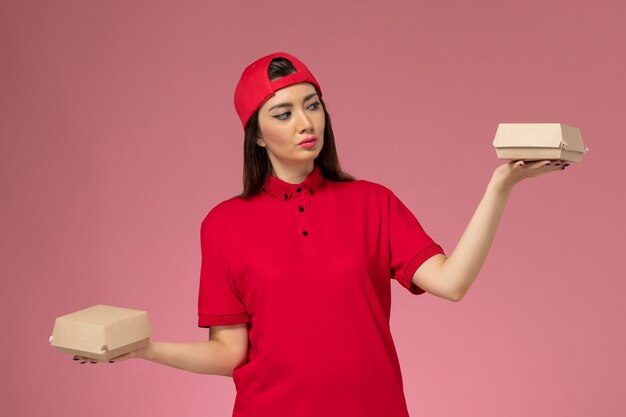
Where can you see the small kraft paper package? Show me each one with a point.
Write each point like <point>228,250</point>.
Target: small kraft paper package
<point>101,332</point>
<point>538,141</point>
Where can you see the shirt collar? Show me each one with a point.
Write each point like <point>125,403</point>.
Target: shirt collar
<point>284,190</point>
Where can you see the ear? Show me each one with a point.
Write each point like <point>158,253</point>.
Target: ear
<point>260,141</point>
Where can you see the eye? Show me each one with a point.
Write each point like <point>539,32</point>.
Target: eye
<point>285,115</point>
<point>282,116</point>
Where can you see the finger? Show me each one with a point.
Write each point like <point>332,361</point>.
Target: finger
<point>84,359</point>
<point>553,164</point>
<point>537,163</point>
<point>540,163</point>
<point>560,165</point>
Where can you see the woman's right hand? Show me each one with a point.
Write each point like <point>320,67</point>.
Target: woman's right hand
<point>209,357</point>
<point>137,353</point>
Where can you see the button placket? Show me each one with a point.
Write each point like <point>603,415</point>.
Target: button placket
<point>302,200</point>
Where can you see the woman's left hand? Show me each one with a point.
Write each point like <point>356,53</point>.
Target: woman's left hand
<point>509,174</point>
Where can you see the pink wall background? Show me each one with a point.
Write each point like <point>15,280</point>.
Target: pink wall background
<point>119,134</point>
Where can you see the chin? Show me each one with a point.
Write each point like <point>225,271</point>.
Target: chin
<point>305,158</point>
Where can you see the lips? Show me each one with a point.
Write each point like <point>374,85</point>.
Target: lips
<point>311,139</point>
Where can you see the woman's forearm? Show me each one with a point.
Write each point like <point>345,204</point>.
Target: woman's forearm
<point>209,357</point>
<point>462,266</point>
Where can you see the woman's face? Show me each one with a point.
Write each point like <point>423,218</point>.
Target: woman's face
<point>291,115</point>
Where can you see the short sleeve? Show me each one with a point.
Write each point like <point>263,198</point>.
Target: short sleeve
<point>409,245</point>
<point>219,303</point>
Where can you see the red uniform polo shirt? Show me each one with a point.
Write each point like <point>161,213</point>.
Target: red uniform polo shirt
<point>309,266</point>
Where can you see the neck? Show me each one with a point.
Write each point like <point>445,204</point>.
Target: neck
<point>293,174</point>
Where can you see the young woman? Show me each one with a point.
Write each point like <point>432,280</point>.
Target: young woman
<point>295,282</point>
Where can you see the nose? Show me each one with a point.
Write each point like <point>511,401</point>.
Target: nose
<point>304,121</point>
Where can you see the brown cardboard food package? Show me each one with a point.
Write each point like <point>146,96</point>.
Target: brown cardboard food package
<point>101,332</point>
<point>538,141</point>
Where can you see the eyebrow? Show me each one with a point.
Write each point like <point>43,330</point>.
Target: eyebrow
<point>289,104</point>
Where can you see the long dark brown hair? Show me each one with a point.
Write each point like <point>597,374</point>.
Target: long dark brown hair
<point>257,166</point>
